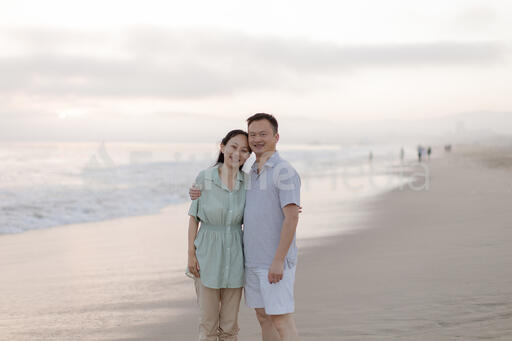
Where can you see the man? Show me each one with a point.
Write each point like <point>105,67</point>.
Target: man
<point>270,220</point>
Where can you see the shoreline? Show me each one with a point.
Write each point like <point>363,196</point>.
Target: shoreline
<point>102,280</point>
<point>394,272</point>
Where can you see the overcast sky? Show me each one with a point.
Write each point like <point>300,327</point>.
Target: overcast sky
<point>126,69</point>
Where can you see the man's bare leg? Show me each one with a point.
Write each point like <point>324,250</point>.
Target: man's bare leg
<point>285,326</point>
<point>268,331</point>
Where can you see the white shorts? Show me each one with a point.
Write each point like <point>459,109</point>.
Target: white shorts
<point>276,298</point>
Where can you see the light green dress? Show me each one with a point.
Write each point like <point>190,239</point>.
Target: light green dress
<point>219,247</point>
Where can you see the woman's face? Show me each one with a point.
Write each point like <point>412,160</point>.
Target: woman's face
<point>236,151</point>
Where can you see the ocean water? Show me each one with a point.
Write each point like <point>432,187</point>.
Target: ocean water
<point>46,184</point>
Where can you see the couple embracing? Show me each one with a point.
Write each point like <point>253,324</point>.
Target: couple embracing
<point>259,258</point>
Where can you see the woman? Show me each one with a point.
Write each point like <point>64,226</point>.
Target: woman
<point>215,256</point>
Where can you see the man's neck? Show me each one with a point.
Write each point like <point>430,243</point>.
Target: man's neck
<point>263,158</point>
<point>227,176</point>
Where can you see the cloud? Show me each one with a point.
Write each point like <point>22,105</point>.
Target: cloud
<point>477,18</point>
<point>153,62</point>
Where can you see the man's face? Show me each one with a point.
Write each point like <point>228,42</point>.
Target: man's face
<point>261,137</point>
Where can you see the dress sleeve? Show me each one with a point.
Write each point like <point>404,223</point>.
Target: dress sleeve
<point>193,211</point>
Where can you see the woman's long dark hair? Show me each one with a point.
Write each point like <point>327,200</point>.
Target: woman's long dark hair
<point>225,140</point>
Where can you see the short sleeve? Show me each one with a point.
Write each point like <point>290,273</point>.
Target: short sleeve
<point>288,185</point>
<point>193,211</point>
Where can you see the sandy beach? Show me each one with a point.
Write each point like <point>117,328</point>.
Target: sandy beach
<point>406,265</point>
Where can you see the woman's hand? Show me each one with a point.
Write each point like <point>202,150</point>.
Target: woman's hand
<point>193,264</point>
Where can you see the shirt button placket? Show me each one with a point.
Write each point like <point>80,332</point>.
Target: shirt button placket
<point>228,239</point>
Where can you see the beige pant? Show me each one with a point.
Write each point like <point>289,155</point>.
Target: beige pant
<point>218,312</point>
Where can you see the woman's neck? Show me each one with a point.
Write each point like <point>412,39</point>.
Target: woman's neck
<point>228,171</point>
<point>228,175</point>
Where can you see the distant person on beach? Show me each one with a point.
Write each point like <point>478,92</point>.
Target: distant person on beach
<point>215,252</point>
<point>420,152</point>
<point>429,151</point>
<point>270,222</point>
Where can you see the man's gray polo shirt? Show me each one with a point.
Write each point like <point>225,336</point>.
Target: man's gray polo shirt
<point>277,185</point>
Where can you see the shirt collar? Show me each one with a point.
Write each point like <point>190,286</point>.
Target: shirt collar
<point>213,175</point>
<point>271,162</point>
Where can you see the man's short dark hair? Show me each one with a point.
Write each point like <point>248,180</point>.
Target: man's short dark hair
<point>263,116</point>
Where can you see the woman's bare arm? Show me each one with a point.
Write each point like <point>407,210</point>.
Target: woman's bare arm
<point>193,264</point>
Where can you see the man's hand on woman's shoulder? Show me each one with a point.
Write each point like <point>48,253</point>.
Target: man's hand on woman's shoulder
<point>194,192</point>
